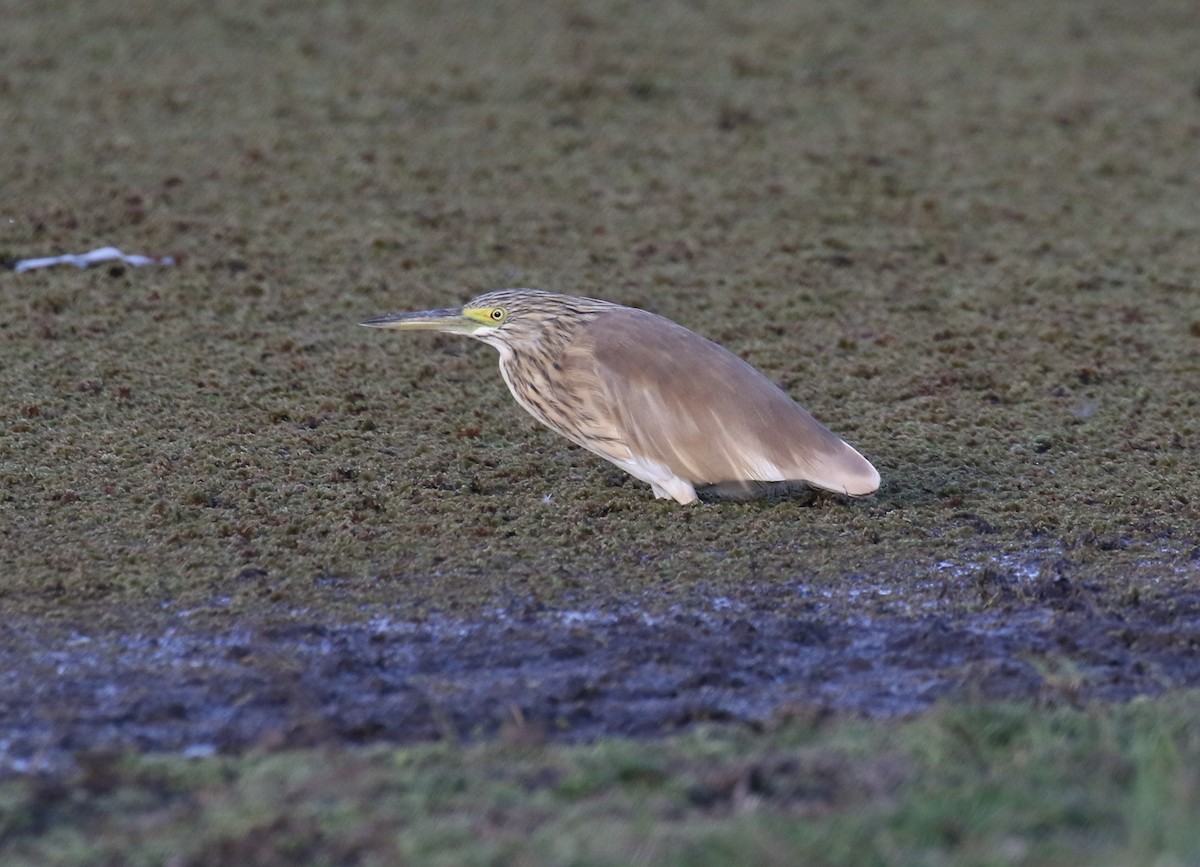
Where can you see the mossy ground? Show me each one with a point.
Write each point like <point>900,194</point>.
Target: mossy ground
<point>964,236</point>
<point>964,239</point>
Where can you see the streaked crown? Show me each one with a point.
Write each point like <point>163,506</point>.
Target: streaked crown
<point>527,318</point>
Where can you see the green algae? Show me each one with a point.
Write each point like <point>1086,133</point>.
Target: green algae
<point>963,237</point>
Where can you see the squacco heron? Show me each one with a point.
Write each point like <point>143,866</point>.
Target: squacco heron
<point>662,403</point>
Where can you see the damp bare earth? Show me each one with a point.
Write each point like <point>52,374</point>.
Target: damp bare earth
<point>201,682</point>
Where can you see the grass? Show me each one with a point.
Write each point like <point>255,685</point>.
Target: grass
<point>965,785</point>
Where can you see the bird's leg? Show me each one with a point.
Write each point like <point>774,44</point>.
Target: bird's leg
<point>678,489</point>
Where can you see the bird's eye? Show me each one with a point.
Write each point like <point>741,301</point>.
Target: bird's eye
<point>497,314</point>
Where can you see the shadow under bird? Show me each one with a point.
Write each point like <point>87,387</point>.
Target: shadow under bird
<point>661,402</point>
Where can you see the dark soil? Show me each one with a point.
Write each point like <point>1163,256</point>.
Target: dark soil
<point>772,653</point>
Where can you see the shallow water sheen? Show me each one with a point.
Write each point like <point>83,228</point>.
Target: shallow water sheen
<point>576,673</point>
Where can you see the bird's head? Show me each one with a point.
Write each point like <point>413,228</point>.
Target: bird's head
<point>509,319</point>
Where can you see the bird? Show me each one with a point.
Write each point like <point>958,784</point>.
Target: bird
<point>664,404</point>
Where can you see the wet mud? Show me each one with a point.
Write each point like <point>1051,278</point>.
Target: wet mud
<point>530,672</point>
